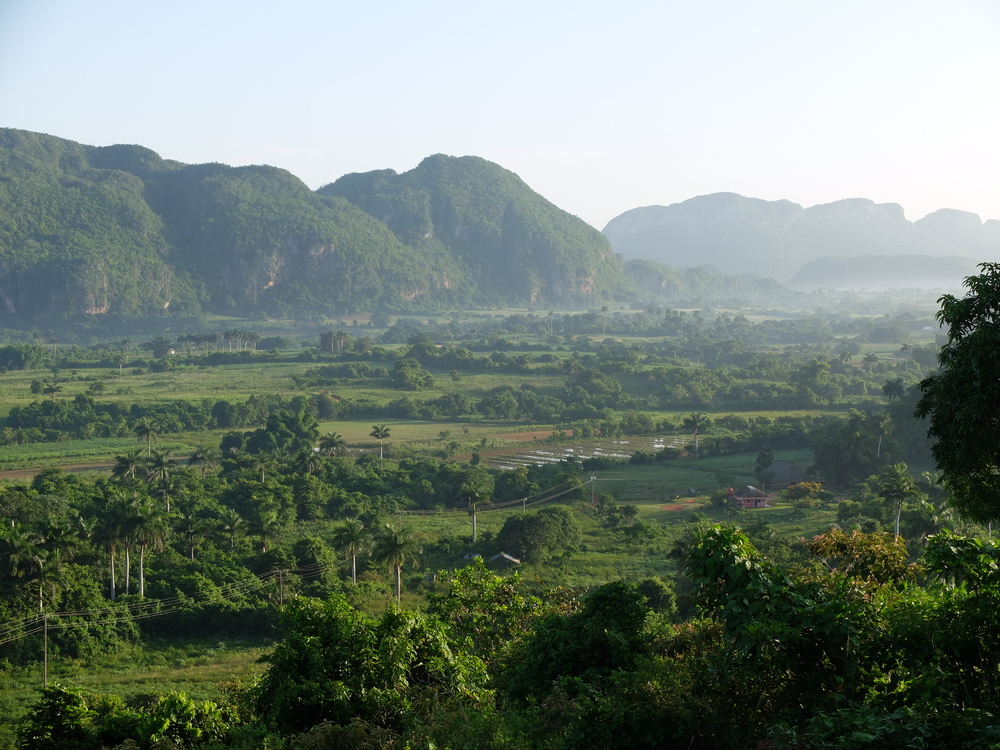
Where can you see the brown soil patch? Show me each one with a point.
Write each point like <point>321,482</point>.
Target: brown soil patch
<point>523,437</point>
<point>18,475</point>
<point>677,506</point>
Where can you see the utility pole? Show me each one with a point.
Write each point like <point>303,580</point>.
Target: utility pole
<point>593,490</point>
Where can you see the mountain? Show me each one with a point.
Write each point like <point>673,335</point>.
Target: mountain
<point>884,272</point>
<point>120,231</point>
<point>506,238</point>
<point>777,238</point>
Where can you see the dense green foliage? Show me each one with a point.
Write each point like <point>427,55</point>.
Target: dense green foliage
<point>961,400</point>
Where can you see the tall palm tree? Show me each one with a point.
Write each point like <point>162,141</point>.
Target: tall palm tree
<point>126,467</point>
<point>905,350</point>
<point>146,433</point>
<point>396,548</point>
<point>231,524</point>
<point>352,539</point>
<point>477,488</point>
<point>149,527</point>
<point>380,432</point>
<point>696,423</point>
<point>161,466</point>
<point>870,359</point>
<point>896,486</point>
<point>111,532</point>
<point>22,552</point>
<point>192,529</point>
<point>50,388</point>
<point>267,525</point>
<point>882,421</point>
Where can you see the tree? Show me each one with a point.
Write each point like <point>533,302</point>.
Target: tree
<point>332,444</point>
<point>126,467</point>
<point>207,458</point>
<point>161,465</point>
<point>963,398</point>
<point>696,423</point>
<point>149,526</point>
<point>352,539</point>
<point>894,389</point>
<point>396,548</point>
<point>896,485</point>
<point>51,388</point>
<point>870,359</point>
<point>477,488</point>
<point>380,432</point>
<point>905,350</point>
<point>146,433</point>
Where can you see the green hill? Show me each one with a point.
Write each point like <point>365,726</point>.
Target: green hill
<point>509,240</point>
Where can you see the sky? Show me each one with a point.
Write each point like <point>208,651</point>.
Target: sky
<point>599,107</point>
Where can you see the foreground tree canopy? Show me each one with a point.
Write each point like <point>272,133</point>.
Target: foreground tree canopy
<point>962,399</point>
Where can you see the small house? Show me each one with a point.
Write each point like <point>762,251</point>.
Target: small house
<point>749,497</point>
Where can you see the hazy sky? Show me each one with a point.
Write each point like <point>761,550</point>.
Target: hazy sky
<point>599,107</point>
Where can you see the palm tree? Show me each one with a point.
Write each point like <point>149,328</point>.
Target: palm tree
<point>126,467</point>
<point>207,458</point>
<point>232,526</point>
<point>22,553</point>
<point>476,489</point>
<point>307,461</point>
<point>125,344</point>
<point>51,388</point>
<point>905,349</point>
<point>896,486</point>
<point>604,320</point>
<point>146,432</point>
<point>192,529</point>
<point>396,548</point>
<point>883,422</point>
<point>894,389</point>
<point>870,359</point>
<point>696,423</point>
<point>111,532</point>
<point>161,466</point>
<point>148,528</point>
<point>380,432</point>
<point>332,444</point>
<point>267,526</point>
<point>352,539</point>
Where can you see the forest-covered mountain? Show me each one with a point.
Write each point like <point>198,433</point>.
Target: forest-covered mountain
<point>119,232</point>
<point>777,238</point>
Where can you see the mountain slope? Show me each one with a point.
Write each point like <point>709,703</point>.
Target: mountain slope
<point>510,241</point>
<point>118,230</point>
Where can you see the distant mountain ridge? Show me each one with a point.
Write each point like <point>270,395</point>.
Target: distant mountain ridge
<point>777,238</point>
